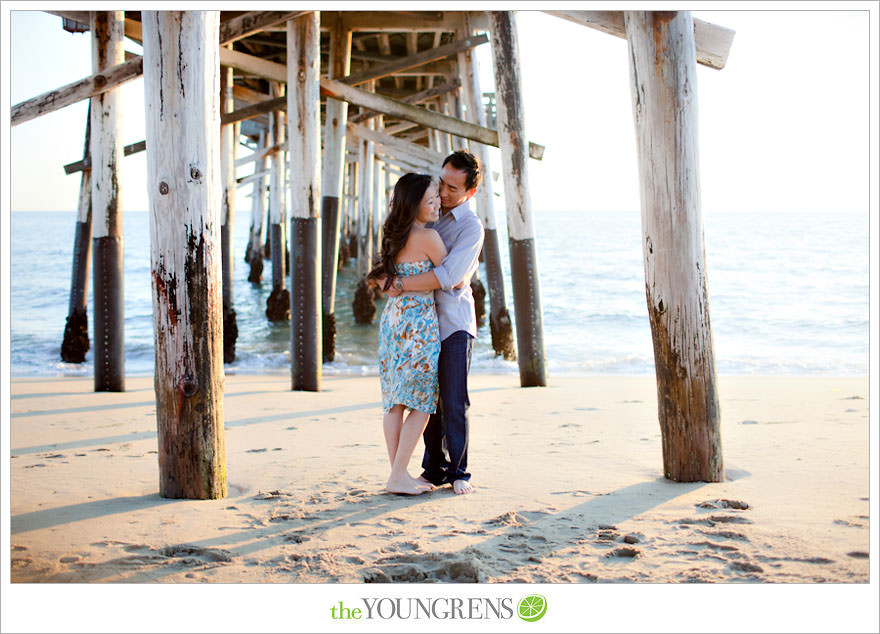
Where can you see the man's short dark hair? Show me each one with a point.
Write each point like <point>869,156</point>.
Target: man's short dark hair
<point>466,162</point>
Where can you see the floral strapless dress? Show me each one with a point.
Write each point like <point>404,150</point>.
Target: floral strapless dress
<point>409,347</point>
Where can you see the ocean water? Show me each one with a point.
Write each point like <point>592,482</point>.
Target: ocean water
<point>788,295</point>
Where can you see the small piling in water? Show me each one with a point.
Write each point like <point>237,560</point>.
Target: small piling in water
<point>254,252</point>
<point>332,187</point>
<point>363,305</point>
<point>75,343</point>
<point>228,143</point>
<point>278,302</point>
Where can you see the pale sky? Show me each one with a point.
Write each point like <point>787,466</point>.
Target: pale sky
<point>783,127</point>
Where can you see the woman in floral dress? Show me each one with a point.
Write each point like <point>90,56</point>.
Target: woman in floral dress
<point>409,337</point>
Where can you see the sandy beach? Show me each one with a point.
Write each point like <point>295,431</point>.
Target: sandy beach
<point>568,483</point>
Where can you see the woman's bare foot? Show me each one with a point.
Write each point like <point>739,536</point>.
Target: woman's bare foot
<point>407,485</point>
<point>462,487</point>
<point>422,480</point>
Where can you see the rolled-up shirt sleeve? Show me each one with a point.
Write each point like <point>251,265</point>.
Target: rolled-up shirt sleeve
<point>463,257</point>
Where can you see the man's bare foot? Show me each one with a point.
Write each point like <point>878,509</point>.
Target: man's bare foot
<point>462,487</point>
<point>407,485</point>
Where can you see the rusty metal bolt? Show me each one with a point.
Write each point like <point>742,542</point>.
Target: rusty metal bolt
<point>194,173</point>
<point>163,188</point>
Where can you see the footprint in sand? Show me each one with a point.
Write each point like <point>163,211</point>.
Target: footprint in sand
<point>730,519</point>
<point>272,495</point>
<point>744,566</point>
<point>511,518</point>
<point>185,550</point>
<point>626,552</point>
<point>852,523</point>
<point>429,567</point>
<point>726,534</point>
<point>724,504</point>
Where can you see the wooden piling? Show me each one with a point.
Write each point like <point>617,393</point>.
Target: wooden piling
<point>520,223</point>
<point>363,306</point>
<point>303,95</point>
<point>664,96</point>
<point>228,143</point>
<point>254,251</point>
<point>500,325</point>
<point>107,242</point>
<point>75,343</point>
<point>336,120</point>
<point>182,88</point>
<point>278,302</point>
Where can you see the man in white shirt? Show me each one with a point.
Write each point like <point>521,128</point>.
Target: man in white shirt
<point>462,233</point>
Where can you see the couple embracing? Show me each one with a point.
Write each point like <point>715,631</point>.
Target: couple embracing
<point>431,242</point>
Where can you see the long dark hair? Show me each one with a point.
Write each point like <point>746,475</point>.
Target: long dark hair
<point>405,202</point>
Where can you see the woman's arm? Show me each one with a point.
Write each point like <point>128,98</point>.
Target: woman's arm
<point>433,246</point>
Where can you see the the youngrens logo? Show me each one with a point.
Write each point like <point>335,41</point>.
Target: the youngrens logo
<point>530,608</point>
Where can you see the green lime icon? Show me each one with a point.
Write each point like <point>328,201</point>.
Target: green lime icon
<point>532,607</point>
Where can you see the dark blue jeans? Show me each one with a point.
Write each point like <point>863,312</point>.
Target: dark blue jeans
<point>446,436</point>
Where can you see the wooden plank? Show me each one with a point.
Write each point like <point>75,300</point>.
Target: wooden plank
<point>77,16</point>
<point>249,112</point>
<point>416,60</point>
<point>712,42</point>
<point>259,154</point>
<point>250,64</point>
<point>407,163</point>
<point>415,98</point>
<point>243,93</point>
<point>253,22</point>
<point>394,144</point>
<point>86,163</point>
<point>662,69</point>
<point>435,120</point>
<point>71,93</point>
<point>395,21</point>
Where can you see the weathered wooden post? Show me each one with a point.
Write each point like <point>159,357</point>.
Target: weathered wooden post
<point>663,80</point>
<point>335,126</point>
<point>254,255</point>
<point>350,229</point>
<point>228,143</point>
<point>377,196</point>
<point>520,224</point>
<point>76,331</point>
<point>500,325</point>
<point>278,302</point>
<point>304,116</point>
<point>363,306</point>
<point>107,248</point>
<point>181,93</point>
